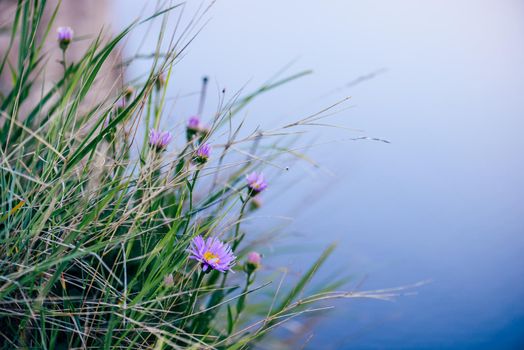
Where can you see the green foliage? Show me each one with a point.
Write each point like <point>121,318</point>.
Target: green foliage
<point>91,231</point>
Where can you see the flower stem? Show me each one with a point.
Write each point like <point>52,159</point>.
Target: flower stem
<point>218,295</point>
<point>191,186</point>
<point>237,238</point>
<point>64,64</point>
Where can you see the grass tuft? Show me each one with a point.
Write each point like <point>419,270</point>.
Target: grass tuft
<point>95,222</point>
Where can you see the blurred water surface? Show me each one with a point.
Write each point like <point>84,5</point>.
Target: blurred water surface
<point>443,201</point>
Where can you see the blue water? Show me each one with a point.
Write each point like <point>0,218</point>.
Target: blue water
<point>443,201</point>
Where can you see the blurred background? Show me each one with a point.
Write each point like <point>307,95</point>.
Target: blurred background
<point>443,81</point>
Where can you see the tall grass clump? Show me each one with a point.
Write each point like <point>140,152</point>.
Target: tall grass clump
<point>117,232</point>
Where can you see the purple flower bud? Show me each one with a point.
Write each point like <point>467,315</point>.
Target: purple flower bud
<point>202,154</point>
<point>254,258</point>
<point>159,139</point>
<point>193,123</point>
<point>196,127</point>
<point>193,126</point>
<point>212,254</point>
<point>65,36</point>
<point>253,261</point>
<point>256,183</point>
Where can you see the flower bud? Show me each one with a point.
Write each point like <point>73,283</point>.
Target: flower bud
<point>65,36</point>
<point>202,154</point>
<point>193,126</point>
<point>159,140</point>
<point>253,262</point>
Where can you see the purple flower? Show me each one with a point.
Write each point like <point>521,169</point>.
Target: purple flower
<point>193,123</point>
<point>212,254</point>
<point>193,127</point>
<point>65,36</point>
<point>159,139</point>
<point>202,154</point>
<point>196,127</point>
<point>256,183</point>
<point>254,258</point>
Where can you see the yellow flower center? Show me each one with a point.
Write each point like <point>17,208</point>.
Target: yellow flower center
<point>210,257</point>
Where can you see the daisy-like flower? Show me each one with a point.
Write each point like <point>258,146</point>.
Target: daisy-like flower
<point>256,183</point>
<point>212,254</point>
<point>65,36</point>
<point>159,139</point>
<point>202,154</point>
